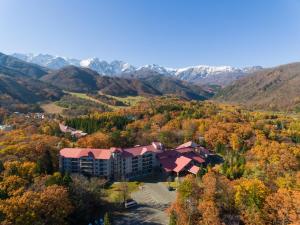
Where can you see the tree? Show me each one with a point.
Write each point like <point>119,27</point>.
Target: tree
<point>55,179</point>
<point>249,198</point>
<point>12,186</point>
<point>26,170</point>
<point>283,207</point>
<point>50,206</point>
<point>67,180</point>
<point>44,163</point>
<point>235,142</point>
<point>123,188</point>
<point>185,206</point>
<point>85,195</point>
<point>106,219</point>
<point>1,166</point>
<point>210,213</point>
<point>173,218</point>
<point>96,140</point>
<point>215,136</point>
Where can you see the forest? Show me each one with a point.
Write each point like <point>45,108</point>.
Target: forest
<point>258,182</point>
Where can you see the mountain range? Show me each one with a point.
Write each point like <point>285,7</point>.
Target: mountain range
<point>201,74</point>
<point>22,82</point>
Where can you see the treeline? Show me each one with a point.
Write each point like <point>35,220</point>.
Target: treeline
<point>104,122</point>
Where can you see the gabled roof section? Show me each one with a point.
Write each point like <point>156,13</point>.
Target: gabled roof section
<point>188,144</point>
<point>85,152</point>
<point>155,147</point>
<point>181,162</point>
<point>194,169</point>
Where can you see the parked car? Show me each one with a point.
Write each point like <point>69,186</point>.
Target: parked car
<point>170,188</point>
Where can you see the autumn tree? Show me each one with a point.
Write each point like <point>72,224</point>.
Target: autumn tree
<point>50,206</point>
<point>249,198</point>
<point>96,140</point>
<point>283,207</point>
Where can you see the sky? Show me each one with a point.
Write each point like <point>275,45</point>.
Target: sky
<point>172,33</point>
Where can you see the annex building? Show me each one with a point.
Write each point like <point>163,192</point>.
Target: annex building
<point>127,163</point>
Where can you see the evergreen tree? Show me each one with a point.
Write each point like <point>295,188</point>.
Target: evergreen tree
<point>1,166</point>
<point>44,164</point>
<point>67,179</point>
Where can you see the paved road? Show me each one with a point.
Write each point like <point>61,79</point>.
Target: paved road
<point>153,199</point>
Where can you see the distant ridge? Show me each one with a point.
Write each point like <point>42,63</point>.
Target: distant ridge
<point>79,79</point>
<point>203,74</point>
<point>274,89</point>
<point>14,66</point>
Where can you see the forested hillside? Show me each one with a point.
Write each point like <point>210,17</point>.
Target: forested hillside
<point>272,89</point>
<point>258,183</point>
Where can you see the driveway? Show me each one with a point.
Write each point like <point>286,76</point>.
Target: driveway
<point>153,199</point>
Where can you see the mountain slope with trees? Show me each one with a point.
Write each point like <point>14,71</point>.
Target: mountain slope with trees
<point>274,89</point>
<point>78,79</point>
<point>21,67</point>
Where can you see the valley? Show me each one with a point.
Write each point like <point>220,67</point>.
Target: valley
<point>197,134</point>
<point>153,112</point>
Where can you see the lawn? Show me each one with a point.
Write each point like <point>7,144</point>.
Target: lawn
<point>52,108</point>
<point>116,192</point>
<point>129,100</point>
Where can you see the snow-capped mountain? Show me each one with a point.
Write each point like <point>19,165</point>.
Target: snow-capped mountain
<point>203,71</point>
<point>46,60</point>
<point>221,75</point>
<point>57,62</point>
<point>112,69</point>
<point>157,68</point>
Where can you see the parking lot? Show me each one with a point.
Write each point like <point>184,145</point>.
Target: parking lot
<point>153,199</point>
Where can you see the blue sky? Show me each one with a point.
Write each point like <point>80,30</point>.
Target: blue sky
<point>172,33</point>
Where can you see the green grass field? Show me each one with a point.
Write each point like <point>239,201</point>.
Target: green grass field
<point>115,193</point>
<point>129,100</point>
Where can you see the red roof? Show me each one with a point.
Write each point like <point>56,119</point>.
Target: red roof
<point>185,149</point>
<point>194,156</point>
<point>140,150</point>
<point>84,152</point>
<point>106,153</point>
<point>194,169</point>
<point>181,162</point>
<point>174,163</point>
<point>188,144</point>
<point>175,160</point>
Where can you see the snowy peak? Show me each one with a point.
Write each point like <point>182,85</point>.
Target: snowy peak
<point>195,73</point>
<point>57,62</point>
<point>105,68</point>
<point>199,74</point>
<point>46,60</point>
<point>157,68</point>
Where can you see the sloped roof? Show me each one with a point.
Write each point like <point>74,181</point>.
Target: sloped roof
<point>194,169</point>
<point>188,144</point>
<point>194,156</point>
<point>140,150</point>
<point>84,152</point>
<point>106,153</point>
<point>181,162</point>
